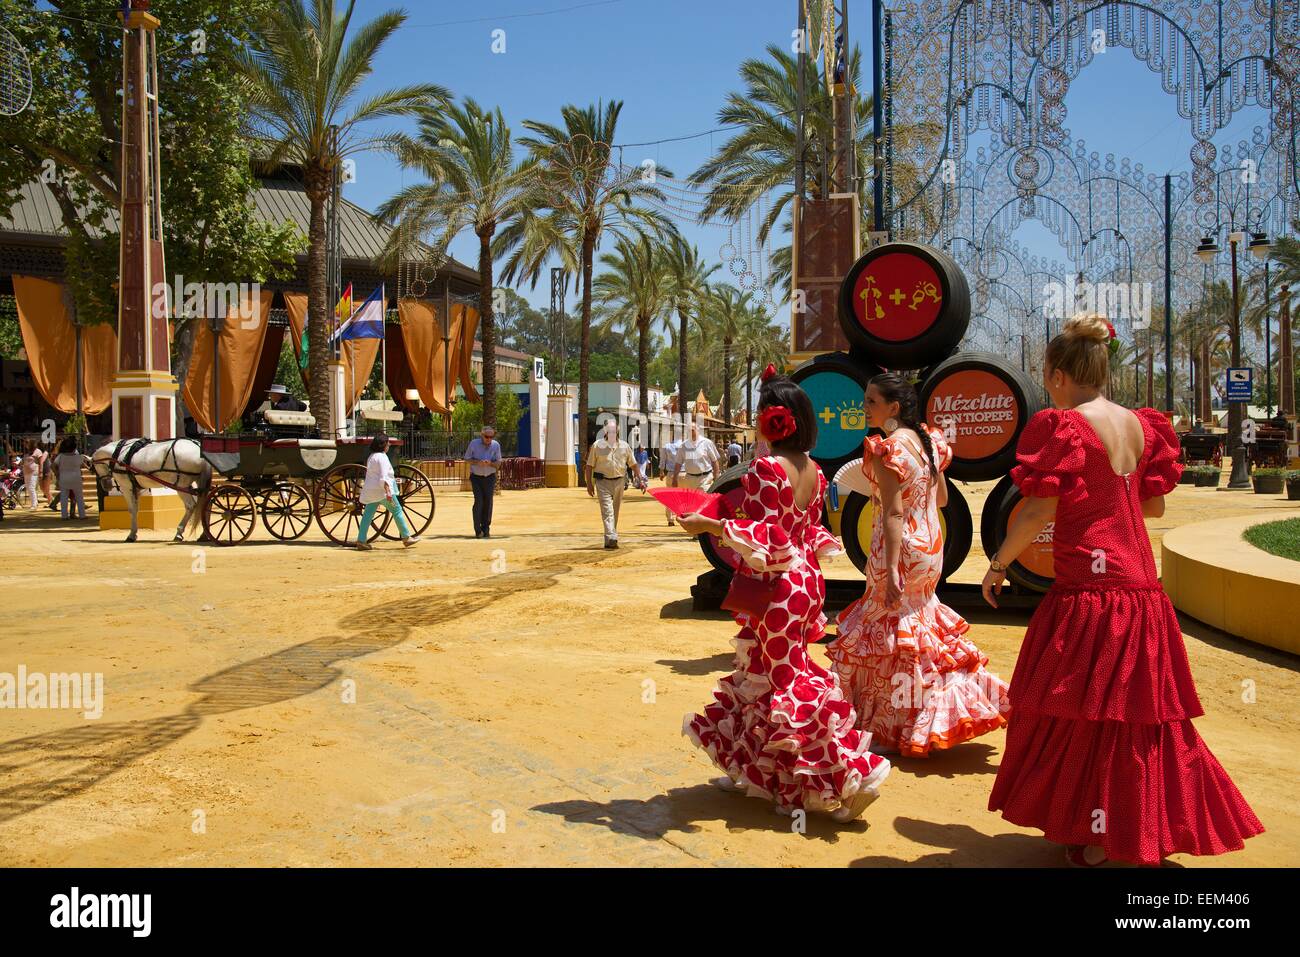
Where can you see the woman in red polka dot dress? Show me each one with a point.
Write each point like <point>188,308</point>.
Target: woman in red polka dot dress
<point>778,725</point>
<point>1101,754</point>
<point>915,679</point>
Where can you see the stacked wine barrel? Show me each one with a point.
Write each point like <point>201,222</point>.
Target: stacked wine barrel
<point>906,307</point>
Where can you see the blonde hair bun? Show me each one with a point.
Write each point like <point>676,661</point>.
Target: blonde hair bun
<point>1087,325</point>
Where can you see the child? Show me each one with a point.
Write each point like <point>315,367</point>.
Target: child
<point>380,488</point>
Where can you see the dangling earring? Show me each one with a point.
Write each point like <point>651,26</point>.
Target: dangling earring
<point>891,425</point>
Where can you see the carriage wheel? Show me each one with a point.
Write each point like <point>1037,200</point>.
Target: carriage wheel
<point>338,504</point>
<point>286,511</point>
<point>229,514</point>
<point>416,494</point>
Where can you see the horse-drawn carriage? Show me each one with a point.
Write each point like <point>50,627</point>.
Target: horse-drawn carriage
<point>286,479</point>
<point>1202,448</point>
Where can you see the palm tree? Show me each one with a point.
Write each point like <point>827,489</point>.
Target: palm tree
<point>586,195</point>
<point>722,324</point>
<point>1206,326</point>
<point>761,159</point>
<point>760,341</point>
<point>633,293</point>
<point>474,182</point>
<point>688,290</point>
<point>304,78</point>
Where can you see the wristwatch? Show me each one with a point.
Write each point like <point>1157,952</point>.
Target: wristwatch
<point>997,566</point>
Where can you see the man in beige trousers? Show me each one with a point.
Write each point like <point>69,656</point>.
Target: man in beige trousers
<point>608,462</point>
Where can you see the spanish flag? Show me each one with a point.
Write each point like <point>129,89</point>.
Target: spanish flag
<point>342,313</point>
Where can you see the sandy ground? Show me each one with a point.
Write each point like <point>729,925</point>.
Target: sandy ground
<point>511,701</point>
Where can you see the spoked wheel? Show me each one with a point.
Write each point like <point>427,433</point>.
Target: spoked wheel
<point>229,514</point>
<point>338,504</point>
<point>286,511</point>
<point>415,492</point>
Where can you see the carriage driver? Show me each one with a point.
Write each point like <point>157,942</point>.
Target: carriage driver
<point>283,401</point>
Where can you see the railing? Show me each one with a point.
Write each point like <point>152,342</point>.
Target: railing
<point>521,473</point>
<point>514,473</point>
<point>450,471</point>
<point>447,445</point>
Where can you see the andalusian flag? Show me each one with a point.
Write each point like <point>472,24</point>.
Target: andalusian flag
<point>342,312</point>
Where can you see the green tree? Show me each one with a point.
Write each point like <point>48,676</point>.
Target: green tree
<point>304,78</point>
<point>721,326</point>
<point>761,159</point>
<point>633,293</point>
<point>69,136</point>
<point>688,288</point>
<point>520,326</point>
<point>587,195</point>
<point>759,341</point>
<point>474,182</point>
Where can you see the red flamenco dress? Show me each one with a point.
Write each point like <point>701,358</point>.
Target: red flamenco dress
<point>914,678</point>
<point>1100,746</point>
<point>778,725</point>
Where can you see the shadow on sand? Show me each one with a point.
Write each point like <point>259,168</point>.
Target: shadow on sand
<point>39,770</point>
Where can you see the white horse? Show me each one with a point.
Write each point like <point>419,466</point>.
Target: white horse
<point>133,464</point>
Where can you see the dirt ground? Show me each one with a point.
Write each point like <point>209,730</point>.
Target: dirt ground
<point>513,701</point>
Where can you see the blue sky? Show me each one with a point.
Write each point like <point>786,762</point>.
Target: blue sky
<point>672,64</point>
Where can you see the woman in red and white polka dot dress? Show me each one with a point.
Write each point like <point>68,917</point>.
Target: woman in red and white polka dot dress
<point>778,725</point>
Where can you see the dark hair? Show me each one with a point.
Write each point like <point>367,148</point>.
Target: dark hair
<point>778,390</point>
<point>897,389</point>
<point>69,444</point>
<point>379,443</point>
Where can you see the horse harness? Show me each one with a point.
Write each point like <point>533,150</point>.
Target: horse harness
<point>126,449</point>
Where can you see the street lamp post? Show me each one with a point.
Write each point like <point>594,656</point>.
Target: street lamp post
<point>1236,412</point>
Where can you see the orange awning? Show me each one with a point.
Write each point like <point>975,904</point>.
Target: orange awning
<point>50,338</point>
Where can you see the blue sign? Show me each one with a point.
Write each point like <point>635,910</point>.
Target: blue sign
<point>838,403</point>
<point>1240,384</point>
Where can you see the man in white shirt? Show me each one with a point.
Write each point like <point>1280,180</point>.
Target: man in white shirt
<point>607,466</point>
<point>697,461</point>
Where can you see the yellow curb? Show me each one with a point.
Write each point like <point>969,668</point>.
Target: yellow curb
<point>1213,574</point>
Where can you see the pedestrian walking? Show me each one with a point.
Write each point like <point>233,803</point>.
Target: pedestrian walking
<point>484,457</point>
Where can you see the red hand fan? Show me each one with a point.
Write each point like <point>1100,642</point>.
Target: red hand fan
<point>683,501</point>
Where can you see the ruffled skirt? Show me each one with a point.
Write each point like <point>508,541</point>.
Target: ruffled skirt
<point>1101,749</point>
<point>914,679</point>
<point>781,728</point>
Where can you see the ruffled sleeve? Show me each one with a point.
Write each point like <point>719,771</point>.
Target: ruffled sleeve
<point>942,450</point>
<point>758,538</point>
<point>1050,455</point>
<point>1162,469</point>
<point>887,452</point>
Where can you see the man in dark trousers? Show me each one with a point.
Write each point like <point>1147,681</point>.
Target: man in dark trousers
<point>484,457</point>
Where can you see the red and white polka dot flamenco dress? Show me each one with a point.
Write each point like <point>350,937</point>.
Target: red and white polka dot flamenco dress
<point>779,725</point>
<point>914,678</point>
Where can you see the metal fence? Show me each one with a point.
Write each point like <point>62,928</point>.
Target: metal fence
<point>18,440</point>
<point>418,444</point>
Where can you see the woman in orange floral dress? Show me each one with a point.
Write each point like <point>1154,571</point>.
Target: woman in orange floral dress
<point>902,657</point>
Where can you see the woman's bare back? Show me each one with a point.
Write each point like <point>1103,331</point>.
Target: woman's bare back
<point>1118,429</point>
<point>801,472</point>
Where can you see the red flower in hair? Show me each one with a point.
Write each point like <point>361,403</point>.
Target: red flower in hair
<point>768,372</point>
<point>1111,330</point>
<point>776,422</point>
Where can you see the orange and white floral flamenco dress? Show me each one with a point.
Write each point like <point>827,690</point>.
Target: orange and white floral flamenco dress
<point>914,679</point>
